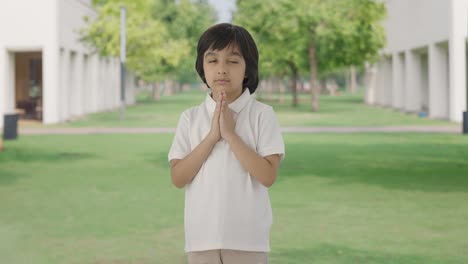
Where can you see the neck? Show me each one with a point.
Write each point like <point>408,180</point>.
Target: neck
<point>232,97</point>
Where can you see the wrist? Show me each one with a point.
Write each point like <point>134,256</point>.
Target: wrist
<point>211,139</point>
<point>230,137</point>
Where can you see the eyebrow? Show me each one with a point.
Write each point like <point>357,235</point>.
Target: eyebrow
<point>233,53</point>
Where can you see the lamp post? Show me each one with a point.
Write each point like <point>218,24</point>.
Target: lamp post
<point>123,12</point>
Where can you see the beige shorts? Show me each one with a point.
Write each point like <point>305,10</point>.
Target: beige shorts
<point>227,256</point>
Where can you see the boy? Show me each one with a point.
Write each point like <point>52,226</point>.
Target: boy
<point>226,153</point>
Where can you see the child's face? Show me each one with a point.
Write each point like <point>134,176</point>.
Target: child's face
<point>224,70</point>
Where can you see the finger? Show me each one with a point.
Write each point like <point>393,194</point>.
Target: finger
<point>223,105</point>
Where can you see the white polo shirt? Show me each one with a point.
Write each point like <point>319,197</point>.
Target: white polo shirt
<point>225,207</point>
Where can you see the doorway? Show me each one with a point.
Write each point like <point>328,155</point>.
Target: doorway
<point>28,85</point>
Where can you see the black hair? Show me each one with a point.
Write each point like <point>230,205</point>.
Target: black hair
<point>222,35</point>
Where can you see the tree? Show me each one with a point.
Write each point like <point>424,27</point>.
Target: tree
<point>185,20</point>
<point>277,34</point>
<point>160,34</point>
<point>331,34</point>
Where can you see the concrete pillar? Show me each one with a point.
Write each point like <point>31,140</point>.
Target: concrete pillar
<point>64,105</point>
<point>7,83</point>
<point>413,85</point>
<point>116,82</point>
<point>78,85</point>
<point>85,85</point>
<point>424,68</point>
<point>388,82</point>
<point>398,80</point>
<point>94,82</point>
<point>100,87</point>
<point>3,82</point>
<point>380,84</point>
<point>51,83</point>
<point>72,103</point>
<point>438,82</point>
<point>457,59</point>
<point>130,88</point>
<point>370,83</point>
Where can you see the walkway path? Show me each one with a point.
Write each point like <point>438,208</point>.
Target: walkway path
<point>143,130</point>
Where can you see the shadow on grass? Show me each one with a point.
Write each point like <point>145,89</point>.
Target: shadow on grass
<point>157,159</point>
<point>8,176</point>
<point>333,254</point>
<point>15,156</point>
<point>423,167</point>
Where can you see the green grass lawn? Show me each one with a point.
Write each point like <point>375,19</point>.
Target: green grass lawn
<point>360,198</point>
<point>344,110</point>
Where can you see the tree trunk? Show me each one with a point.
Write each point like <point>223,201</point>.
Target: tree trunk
<point>168,87</point>
<point>314,88</point>
<point>348,81</point>
<point>156,91</point>
<point>281,90</point>
<point>293,84</point>
<point>276,87</point>
<point>353,80</point>
<point>269,86</point>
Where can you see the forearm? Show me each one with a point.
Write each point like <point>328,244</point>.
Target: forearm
<point>185,170</point>
<point>256,165</point>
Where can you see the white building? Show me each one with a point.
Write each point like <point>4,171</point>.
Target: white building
<point>423,67</point>
<point>45,72</point>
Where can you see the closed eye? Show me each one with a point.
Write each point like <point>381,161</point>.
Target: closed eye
<point>211,61</point>
<point>234,62</point>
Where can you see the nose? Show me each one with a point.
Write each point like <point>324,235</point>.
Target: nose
<point>221,69</point>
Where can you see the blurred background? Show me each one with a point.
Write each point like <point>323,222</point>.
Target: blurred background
<point>371,96</point>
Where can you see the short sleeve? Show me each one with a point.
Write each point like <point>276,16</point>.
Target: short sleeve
<point>181,142</point>
<point>270,140</point>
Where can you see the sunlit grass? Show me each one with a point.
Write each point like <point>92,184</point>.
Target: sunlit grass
<point>342,110</point>
<point>361,198</point>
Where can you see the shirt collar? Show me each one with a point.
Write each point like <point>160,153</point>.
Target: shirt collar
<point>235,106</point>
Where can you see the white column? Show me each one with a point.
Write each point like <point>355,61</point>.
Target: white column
<point>101,87</point>
<point>438,82</point>
<point>370,83</point>
<point>116,82</point>
<point>51,83</point>
<point>457,59</point>
<point>130,88</point>
<point>7,83</point>
<point>64,107</point>
<point>398,81</point>
<point>388,82</point>
<point>78,84</point>
<point>424,81</point>
<point>3,82</point>
<point>85,91</point>
<point>94,82</point>
<point>50,65</point>
<point>72,85</point>
<point>413,87</point>
<point>380,82</point>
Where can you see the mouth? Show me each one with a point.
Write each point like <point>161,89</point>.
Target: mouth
<point>221,81</point>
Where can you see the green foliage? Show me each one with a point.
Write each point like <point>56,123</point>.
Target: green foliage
<point>160,34</point>
<point>344,32</point>
<point>277,33</point>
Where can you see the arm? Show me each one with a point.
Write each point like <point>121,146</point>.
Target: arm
<point>264,169</point>
<point>183,170</point>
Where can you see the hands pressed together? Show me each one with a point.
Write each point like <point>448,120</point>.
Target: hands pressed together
<point>222,124</point>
